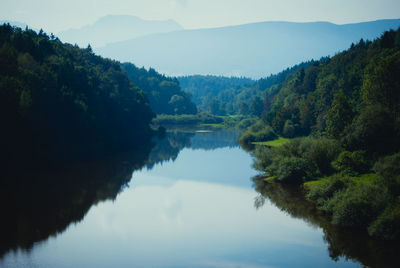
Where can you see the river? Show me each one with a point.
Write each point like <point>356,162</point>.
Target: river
<point>192,202</point>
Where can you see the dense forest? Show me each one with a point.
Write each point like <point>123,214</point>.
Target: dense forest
<point>220,95</point>
<point>164,93</point>
<point>348,106</point>
<point>210,92</point>
<point>60,100</point>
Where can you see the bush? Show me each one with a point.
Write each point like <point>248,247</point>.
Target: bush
<point>263,158</point>
<point>352,163</point>
<point>388,168</point>
<point>372,131</point>
<point>319,153</point>
<point>257,132</point>
<point>312,155</point>
<point>387,225</point>
<point>258,126</point>
<point>358,205</point>
<point>246,123</point>
<point>288,169</point>
<point>325,190</point>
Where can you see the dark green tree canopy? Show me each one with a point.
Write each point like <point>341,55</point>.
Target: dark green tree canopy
<point>164,93</point>
<point>58,99</point>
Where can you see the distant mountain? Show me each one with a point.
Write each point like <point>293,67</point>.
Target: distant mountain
<point>114,28</point>
<point>252,50</point>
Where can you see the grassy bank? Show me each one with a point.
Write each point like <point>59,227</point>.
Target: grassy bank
<point>273,143</point>
<point>351,188</point>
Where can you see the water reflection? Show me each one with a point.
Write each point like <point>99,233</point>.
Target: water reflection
<point>168,148</point>
<point>189,205</point>
<point>176,215</point>
<point>347,243</point>
<point>41,203</point>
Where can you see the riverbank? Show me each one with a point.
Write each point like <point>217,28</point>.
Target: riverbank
<point>348,187</point>
<point>203,120</point>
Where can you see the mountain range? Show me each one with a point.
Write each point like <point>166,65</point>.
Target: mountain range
<point>254,50</point>
<point>114,28</point>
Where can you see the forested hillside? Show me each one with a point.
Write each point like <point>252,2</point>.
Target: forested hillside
<point>349,107</point>
<point>339,96</point>
<point>233,95</point>
<point>205,87</point>
<point>164,93</point>
<point>59,100</point>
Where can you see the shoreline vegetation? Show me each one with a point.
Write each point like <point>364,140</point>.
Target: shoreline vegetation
<point>201,120</point>
<point>341,117</point>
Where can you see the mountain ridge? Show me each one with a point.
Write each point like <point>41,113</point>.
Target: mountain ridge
<point>114,28</point>
<point>253,50</point>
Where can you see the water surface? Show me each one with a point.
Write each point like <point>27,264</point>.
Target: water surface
<point>191,205</point>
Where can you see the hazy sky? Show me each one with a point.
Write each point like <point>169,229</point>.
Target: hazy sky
<point>57,15</point>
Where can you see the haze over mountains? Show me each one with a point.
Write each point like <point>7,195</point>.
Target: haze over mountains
<point>115,28</point>
<point>253,50</point>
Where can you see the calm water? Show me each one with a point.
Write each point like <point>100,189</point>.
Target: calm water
<point>192,204</point>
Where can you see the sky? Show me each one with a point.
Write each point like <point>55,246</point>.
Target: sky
<point>57,15</point>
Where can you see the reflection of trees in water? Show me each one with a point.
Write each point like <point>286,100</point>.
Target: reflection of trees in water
<point>43,203</point>
<point>215,140</point>
<point>168,148</point>
<point>347,243</point>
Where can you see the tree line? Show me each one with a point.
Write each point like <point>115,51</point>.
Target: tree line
<point>345,111</point>
<point>60,100</point>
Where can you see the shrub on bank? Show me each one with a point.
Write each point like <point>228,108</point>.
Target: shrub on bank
<point>387,225</point>
<point>303,157</point>
<point>186,119</point>
<point>352,163</point>
<point>325,190</point>
<point>388,168</point>
<point>257,132</point>
<point>358,205</point>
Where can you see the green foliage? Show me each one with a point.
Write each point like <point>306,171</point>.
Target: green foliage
<point>352,163</point>
<point>59,100</point>
<point>257,132</point>
<point>364,202</point>
<point>164,93</point>
<point>372,131</point>
<point>387,225</point>
<point>353,98</point>
<point>312,155</point>
<point>325,190</point>
<point>256,106</point>
<point>339,115</point>
<point>187,119</point>
<point>319,153</point>
<point>358,205</point>
<point>205,87</point>
<point>381,83</point>
<point>388,168</point>
<point>246,123</point>
<point>233,95</point>
<point>288,169</point>
<point>325,96</point>
<point>273,143</point>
